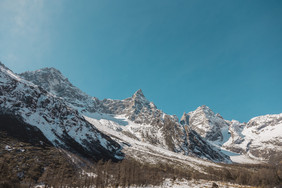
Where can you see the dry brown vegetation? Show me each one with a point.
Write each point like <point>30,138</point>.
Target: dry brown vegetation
<point>28,164</point>
<point>58,170</point>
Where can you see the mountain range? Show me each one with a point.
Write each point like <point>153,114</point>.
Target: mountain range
<point>111,129</point>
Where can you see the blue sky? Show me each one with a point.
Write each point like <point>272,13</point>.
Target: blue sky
<point>182,54</point>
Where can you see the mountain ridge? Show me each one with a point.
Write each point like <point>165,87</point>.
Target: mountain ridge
<point>156,128</point>
<point>62,125</point>
<point>221,133</point>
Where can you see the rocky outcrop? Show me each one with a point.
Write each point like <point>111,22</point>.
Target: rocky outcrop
<point>200,147</point>
<point>206,123</point>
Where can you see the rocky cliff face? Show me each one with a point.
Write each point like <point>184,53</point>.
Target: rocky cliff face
<point>62,125</point>
<point>206,123</point>
<point>136,108</point>
<point>198,146</point>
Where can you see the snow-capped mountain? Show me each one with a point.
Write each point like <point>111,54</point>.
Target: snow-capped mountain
<point>261,137</point>
<point>136,108</point>
<point>62,125</point>
<point>54,82</point>
<point>200,133</point>
<point>209,125</point>
<point>135,117</point>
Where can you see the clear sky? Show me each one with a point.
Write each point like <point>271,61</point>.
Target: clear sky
<point>181,53</point>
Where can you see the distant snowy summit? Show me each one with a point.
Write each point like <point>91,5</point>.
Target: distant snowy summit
<point>260,138</point>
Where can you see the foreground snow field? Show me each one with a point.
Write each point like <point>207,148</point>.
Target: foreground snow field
<point>144,151</point>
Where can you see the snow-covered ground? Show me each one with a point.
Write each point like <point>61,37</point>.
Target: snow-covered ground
<point>115,125</point>
<point>244,159</point>
<point>182,183</point>
<point>142,150</point>
<point>194,184</point>
<point>240,158</point>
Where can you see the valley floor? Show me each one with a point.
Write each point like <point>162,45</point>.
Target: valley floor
<point>183,183</point>
<point>168,183</point>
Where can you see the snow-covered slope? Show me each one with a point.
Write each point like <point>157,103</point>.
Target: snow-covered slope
<point>54,82</point>
<point>261,137</point>
<point>62,125</point>
<point>135,117</point>
<point>132,136</point>
<point>136,108</point>
<point>141,150</point>
<point>200,133</point>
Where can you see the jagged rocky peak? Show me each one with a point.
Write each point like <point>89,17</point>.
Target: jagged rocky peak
<point>206,123</point>
<point>205,110</point>
<point>51,70</point>
<point>184,119</point>
<point>139,97</point>
<point>140,109</point>
<point>199,116</point>
<point>203,115</point>
<point>218,115</point>
<point>50,79</point>
<point>138,94</point>
<point>56,83</point>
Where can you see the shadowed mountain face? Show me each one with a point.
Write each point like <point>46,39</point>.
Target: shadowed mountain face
<point>17,129</point>
<point>62,125</point>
